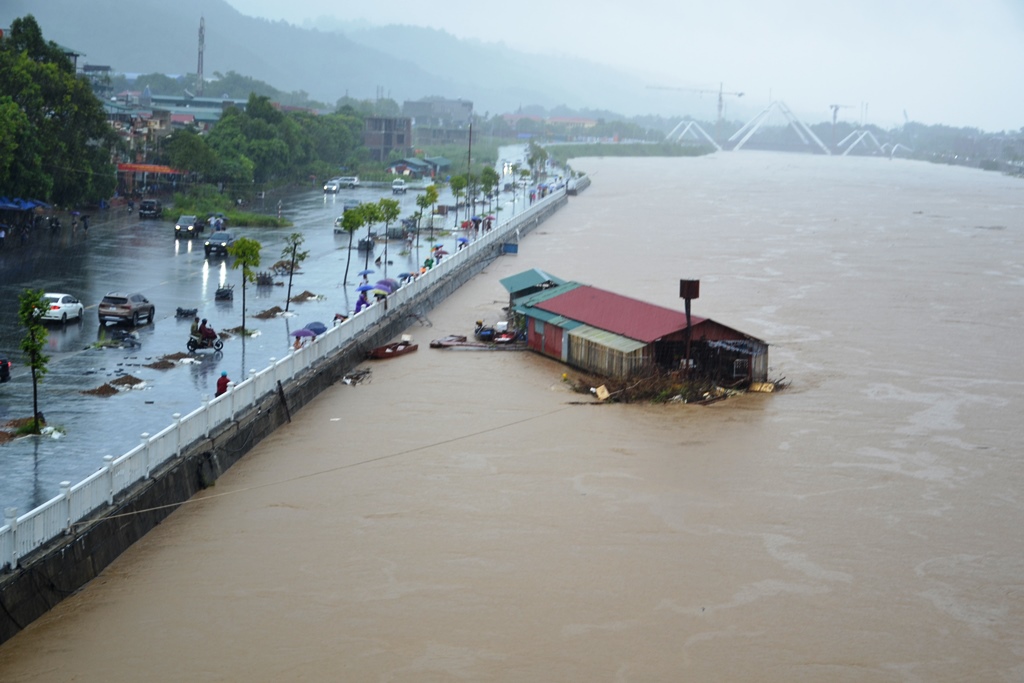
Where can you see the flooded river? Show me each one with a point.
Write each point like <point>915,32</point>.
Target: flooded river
<point>463,517</point>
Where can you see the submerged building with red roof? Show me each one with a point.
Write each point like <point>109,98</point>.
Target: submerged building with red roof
<point>618,336</point>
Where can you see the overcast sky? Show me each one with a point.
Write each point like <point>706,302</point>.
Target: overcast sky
<point>953,62</point>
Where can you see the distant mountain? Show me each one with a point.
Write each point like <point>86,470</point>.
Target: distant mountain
<point>402,62</point>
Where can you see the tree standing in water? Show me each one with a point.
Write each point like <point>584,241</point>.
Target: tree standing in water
<point>296,257</point>
<point>31,306</point>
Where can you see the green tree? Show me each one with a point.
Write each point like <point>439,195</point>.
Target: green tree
<point>371,215</point>
<point>458,184</point>
<point>351,221</point>
<point>535,157</point>
<point>489,180</point>
<point>31,306</point>
<point>246,252</point>
<point>296,257</point>
<point>61,135</point>
<point>390,210</point>
<point>426,201</point>
<point>188,151</point>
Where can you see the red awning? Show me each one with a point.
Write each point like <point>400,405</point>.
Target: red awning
<point>147,168</point>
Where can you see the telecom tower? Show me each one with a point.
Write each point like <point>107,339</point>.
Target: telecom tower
<point>199,68</point>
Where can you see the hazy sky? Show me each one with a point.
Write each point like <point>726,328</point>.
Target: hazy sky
<point>953,62</point>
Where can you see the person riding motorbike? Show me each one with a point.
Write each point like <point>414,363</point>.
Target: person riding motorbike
<point>205,335</point>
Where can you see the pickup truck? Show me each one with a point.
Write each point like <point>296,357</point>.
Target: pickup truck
<point>398,186</point>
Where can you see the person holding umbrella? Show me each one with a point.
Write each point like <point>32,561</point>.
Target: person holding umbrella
<point>363,301</point>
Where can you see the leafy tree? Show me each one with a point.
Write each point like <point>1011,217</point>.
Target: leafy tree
<point>292,253</point>
<point>31,306</point>
<point>535,157</point>
<point>390,210</point>
<point>246,252</point>
<point>426,201</point>
<point>351,221</point>
<point>489,180</point>
<point>371,215</point>
<point>61,134</point>
<point>188,151</point>
<point>458,184</point>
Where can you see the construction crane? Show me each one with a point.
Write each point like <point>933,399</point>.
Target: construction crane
<point>835,115</point>
<point>721,100</point>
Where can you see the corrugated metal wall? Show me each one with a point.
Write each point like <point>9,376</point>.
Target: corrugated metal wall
<point>602,360</point>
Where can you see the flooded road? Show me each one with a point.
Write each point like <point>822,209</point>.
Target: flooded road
<point>125,253</point>
<point>462,517</point>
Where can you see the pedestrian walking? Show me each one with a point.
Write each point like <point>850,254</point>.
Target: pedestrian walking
<point>3,235</point>
<point>85,225</point>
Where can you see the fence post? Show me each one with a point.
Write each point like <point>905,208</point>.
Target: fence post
<point>206,414</point>
<point>108,470</point>
<point>177,435</point>
<point>145,451</point>
<point>65,491</point>
<point>11,520</point>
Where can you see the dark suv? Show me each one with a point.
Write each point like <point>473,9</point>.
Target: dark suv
<point>124,308</point>
<point>188,227</point>
<point>151,208</point>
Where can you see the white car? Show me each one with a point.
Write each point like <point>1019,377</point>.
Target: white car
<point>62,307</point>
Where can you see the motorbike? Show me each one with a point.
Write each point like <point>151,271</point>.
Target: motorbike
<point>195,343</point>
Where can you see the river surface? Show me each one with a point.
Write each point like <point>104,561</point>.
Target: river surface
<point>462,517</point>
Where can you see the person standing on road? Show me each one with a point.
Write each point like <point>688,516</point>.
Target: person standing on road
<point>222,383</point>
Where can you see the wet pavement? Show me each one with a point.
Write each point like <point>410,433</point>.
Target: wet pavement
<point>124,253</point>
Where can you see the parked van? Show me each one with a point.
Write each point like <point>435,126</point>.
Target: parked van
<point>398,186</point>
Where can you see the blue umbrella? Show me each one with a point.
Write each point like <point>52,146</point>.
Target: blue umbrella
<point>404,275</point>
<point>464,240</point>
<point>366,272</point>
<point>316,328</point>
<point>365,288</point>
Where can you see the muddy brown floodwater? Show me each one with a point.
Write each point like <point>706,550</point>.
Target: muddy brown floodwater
<point>475,525</point>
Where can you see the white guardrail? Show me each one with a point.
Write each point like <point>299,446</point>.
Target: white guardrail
<point>20,535</point>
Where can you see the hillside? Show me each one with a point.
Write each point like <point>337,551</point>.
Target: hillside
<point>402,62</point>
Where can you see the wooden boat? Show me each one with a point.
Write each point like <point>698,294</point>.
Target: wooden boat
<point>394,349</point>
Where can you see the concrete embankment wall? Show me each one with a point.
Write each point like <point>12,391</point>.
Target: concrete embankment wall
<point>46,577</point>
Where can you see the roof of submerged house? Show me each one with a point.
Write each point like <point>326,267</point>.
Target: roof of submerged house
<point>622,315</point>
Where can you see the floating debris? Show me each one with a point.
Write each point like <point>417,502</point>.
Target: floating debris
<point>269,313</point>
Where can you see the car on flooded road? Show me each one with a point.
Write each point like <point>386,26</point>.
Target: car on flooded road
<point>62,307</point>
<point>122,307</point>
<point>218,243</point>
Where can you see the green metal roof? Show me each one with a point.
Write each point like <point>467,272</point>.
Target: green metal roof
<point>528,278</point>
<point>526,304</point>
<point>607,339</point>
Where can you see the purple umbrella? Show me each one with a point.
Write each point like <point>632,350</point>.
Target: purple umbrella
<point>303,333</point>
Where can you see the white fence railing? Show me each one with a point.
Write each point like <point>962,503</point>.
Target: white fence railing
<point>20,535</point>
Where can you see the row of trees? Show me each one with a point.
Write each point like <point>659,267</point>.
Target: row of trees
<point>264,144</point>
<point>55,142</point>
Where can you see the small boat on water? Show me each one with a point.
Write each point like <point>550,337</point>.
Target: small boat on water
<point>394,349</point>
